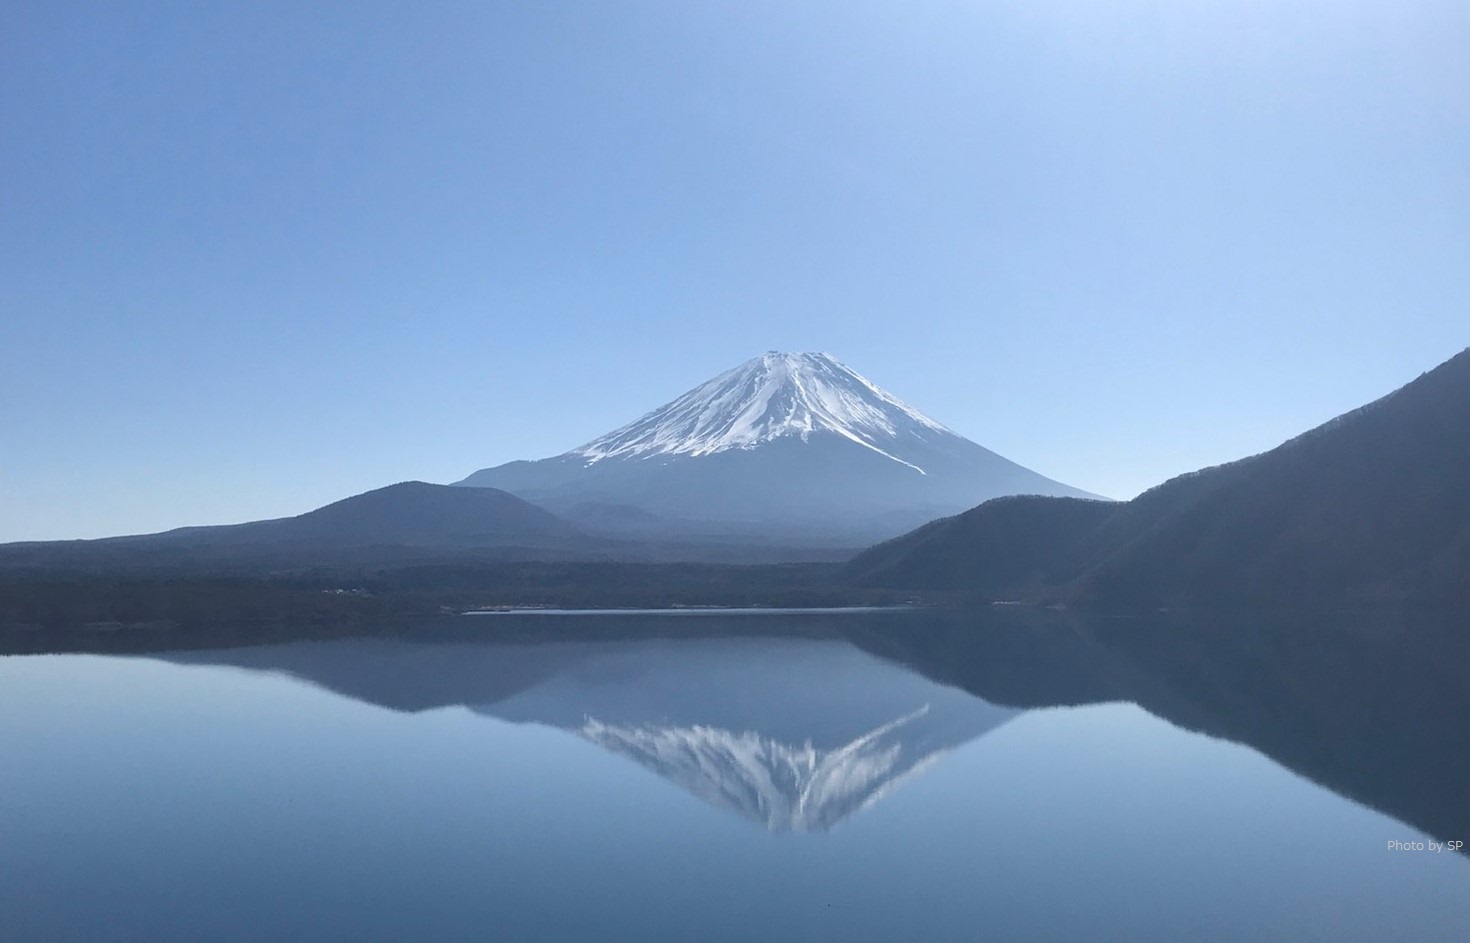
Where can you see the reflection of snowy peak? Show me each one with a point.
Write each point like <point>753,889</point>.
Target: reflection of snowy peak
<point>789,788</point>
<point>796,734</point>
<point>770,397</point>
<point>782,445</point>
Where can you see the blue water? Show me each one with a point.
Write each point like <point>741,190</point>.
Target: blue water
<point>642,789</point>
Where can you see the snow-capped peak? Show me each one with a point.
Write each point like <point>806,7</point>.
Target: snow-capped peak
<point>773,396</point>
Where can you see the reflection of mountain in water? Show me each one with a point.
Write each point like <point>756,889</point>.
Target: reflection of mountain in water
<point>796,788</point>
<point>800,732</point>
<point>794,733</point>
<point>1370,706</point>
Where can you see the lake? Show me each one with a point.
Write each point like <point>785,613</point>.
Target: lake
<point>873,776</point>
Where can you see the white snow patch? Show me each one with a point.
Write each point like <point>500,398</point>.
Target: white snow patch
<point>771,397</point>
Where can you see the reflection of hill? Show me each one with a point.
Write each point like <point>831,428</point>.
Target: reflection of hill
<point>398,675</point>
<point>1372,710</point>
<point>794,733</point>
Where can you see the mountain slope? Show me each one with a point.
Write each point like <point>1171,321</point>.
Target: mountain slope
<point>414,512</point>
<point>1003,548</point>
<point>1371,507</point>
<point>782,444</point>
<point>411,514</point>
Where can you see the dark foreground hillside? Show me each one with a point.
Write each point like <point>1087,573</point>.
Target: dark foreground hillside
<point>1371,508</point>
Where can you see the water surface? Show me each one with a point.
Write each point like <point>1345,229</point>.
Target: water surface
<point>883,777</point>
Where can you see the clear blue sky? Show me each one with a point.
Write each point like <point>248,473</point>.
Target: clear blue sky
<point>255,257</point>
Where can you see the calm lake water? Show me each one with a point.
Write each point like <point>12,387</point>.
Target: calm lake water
<point>835,778</point>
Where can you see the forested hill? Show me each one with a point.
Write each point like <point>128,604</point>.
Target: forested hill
<point>1372,507</point>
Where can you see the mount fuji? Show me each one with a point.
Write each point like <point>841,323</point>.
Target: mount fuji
<point>784,445</point>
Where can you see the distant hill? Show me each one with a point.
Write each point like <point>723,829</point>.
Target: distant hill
<point>411,512</point>
<point>1372,507</point>
<point>793,447</point>
<point>406,516</point>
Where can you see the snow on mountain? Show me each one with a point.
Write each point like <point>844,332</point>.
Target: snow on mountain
<point>769,397</point>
